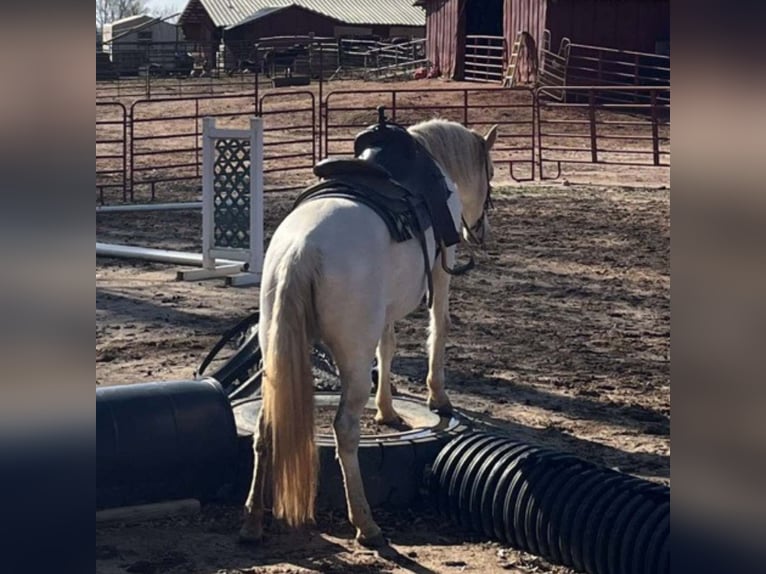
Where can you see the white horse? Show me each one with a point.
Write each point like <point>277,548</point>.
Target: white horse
<point>332,273</point>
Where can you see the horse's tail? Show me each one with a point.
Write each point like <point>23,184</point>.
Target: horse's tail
<point>288,390</point>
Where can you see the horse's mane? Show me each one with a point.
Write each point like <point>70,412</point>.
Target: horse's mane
<point>457,149</point>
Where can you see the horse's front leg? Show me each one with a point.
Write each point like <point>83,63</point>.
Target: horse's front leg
<point>354,396</point>
<point>437,339</point>
<point>386,346</point>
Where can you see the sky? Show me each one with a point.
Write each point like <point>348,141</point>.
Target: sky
<point>175,5</point>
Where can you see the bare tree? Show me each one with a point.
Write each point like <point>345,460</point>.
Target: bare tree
<point>164,12</point>
<point>110,10</point>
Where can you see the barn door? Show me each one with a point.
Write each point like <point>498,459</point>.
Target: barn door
<point>484,59</point>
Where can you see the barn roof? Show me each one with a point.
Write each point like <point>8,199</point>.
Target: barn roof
<point>132,19</point>
<point>225,13</point>
<point>257,15</point>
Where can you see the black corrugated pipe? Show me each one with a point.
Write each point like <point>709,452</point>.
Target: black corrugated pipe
<point>164,441</point>
<point>555,505</point>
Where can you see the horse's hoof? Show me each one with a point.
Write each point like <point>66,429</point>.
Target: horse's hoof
<point>373,540</point>
<point>443,406</point>
<point>250,534</point>
<point>389,419</point>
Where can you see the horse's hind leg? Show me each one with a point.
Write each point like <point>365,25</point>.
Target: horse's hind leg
<point>437,339</point>
<point>356,383</point>
<point>252,528</point>
<point>386,346</point>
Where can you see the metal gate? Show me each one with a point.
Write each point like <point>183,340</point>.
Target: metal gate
<point>166,140</point>
<point>111,148</point>
<point>346,112</point>
<point>290,136</point>
<point>632,131</point>
<point>485,58</point>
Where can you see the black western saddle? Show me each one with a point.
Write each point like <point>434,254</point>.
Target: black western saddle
<point>393,174</point>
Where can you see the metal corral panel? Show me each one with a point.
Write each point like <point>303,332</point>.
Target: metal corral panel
<point>380,12</point>
<point>444,37</point>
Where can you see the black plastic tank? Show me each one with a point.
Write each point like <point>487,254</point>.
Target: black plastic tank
<point>164,441</point>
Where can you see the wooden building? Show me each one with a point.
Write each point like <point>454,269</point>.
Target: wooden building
<point>244,22</point>
<point>133,42</point>
<point>635,25</point>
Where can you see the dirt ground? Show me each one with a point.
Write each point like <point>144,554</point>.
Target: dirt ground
<point>560,336</point>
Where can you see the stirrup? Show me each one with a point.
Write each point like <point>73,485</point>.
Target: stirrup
<point>459,269</point>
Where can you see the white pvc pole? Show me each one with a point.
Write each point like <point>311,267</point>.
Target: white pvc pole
<point>208,207</point>
<point>151,254</point>
<point>256,196</point>
<point>149,207</point>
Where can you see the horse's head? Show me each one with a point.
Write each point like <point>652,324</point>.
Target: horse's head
<point>465,156</point>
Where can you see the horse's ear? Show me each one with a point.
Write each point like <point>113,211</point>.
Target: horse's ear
<point>491,137</point>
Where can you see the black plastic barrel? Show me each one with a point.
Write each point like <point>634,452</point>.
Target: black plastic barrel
<point>163,441</point>
<point>555,505</point>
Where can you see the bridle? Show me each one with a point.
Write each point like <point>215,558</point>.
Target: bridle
<point>471,230</point>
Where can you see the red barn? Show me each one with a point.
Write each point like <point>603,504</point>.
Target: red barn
<point>489,28</point>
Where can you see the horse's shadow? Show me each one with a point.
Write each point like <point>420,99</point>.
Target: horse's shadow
<point>632,417</point>
<point>391,554</point>
<point>641,463</point>
<point>312,550</point>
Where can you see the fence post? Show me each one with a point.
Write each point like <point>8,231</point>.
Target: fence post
<point>393,105</point>
<point>208,125</point>
<point>124,152</point>
<point>314,134</point>
<point>537,129</point>
<point>257,71</point>
<point>196,134</point>
<point>655,129</point>
<point>148,74</point>
<point>321,100</point>
<point>592,119</point>
<point>132,150</point>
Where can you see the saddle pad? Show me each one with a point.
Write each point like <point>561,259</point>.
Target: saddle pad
<point>405,216</point>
